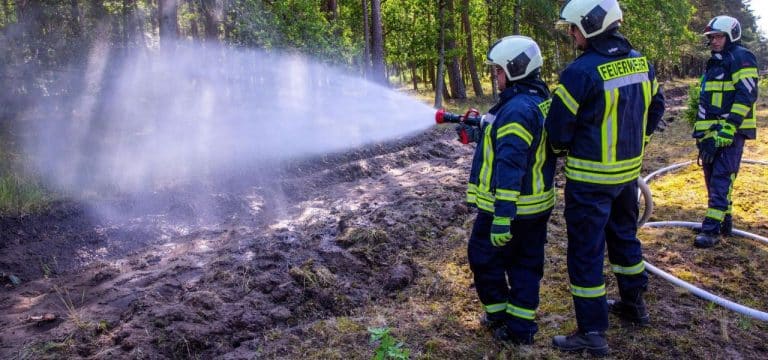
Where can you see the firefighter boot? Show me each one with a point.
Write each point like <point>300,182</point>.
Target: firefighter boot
<point>706,240</point>
<point>594,342</point>
<point>632,311</point>
<point>491,322</point>
<point>726,227</point>
<point>503,334</point>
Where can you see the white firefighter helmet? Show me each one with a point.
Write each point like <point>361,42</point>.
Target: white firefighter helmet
<point>592,17</point>
<point>724,24</point>
<point>518,55</point>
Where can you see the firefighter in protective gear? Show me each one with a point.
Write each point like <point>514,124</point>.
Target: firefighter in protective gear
<point>726,118</point>
<point>511,185</point>
<point>603,112</point>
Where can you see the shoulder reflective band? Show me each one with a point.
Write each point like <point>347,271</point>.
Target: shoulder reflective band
<point>567,99</point>
<point>624,67</point>
<point>516,129</point>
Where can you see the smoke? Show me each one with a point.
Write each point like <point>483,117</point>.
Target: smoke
<point>145,120</point>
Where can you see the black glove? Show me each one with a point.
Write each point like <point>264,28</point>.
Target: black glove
<point>707,150</point>
<point>467,133</point>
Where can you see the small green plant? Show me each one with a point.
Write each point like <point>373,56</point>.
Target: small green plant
<point>693,103</point>
<point>389,347</point>
<point>745,323</point>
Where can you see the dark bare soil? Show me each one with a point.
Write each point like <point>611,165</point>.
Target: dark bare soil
<point>318,239</point>
<point>296,262</point>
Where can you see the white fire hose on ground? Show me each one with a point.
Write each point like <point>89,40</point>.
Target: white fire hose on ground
<point>646,193</point>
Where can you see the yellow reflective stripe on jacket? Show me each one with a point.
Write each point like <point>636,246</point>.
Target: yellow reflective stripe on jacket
<point>567,99</point>
<point>740,109</point>
<point>610,126</point>
<point>743,73</point>
<point>507,195</point>
<point>544,107</point>
<point>472,193</point>
<point>655,87</point>
<point>521,312</point>
<point>494,308</point>
<point>536,203</point>
<point>485,200</point>
<point>603,173</point>
<point>719,86</point>
<point>750,123</point>
<point>486,169</point>
<point>588,292</point>
<point>648,92</point>
<point>601,167</point>
<point>704,125</point>
<point>717,99</point>
<point>516,129</point>
<point>629,270</point>
<point>537,175</point>
<point>716,214</point>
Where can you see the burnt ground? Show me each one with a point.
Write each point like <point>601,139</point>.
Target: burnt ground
<point>299,266</point>
<point>318,240</point>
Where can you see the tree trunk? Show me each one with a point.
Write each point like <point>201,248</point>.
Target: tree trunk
<point>491,17</point>
<point>167,11</point>
<point>516,21</point>
<point>367,39</point>
<point>439,82</point>
<point>414,75</point>
<point>454,71</point>
<point>377,44</point>
<point>76,27</point>
<point>210,10</point>
<point>476,86</point>
<point>331,10</point>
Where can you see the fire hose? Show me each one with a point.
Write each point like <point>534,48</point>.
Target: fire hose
<point>728,304</point>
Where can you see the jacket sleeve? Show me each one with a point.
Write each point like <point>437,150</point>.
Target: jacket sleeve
<point>513,141</point>
<point>656,109</point>
<point>561,124</point>
<point>745,80</point>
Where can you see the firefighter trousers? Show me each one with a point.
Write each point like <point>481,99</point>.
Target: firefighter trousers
<point>596,216</point>
<point>507,278</point>
<point>719,177</point>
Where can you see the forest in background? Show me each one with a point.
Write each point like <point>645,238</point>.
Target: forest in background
<point>418,44</point>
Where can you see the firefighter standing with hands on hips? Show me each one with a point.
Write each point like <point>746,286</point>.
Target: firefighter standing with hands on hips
<point>511,185</point>
<point>726,118</point>
<point>603,112</point>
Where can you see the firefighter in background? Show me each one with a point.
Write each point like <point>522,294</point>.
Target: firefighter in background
<point>603,112</point>
<point>511,185</point>
<point>726,118</point>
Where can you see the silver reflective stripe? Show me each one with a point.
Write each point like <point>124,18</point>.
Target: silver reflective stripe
<point>747,84</point>
<point>624,81</point>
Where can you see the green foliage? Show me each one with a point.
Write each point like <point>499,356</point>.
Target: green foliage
<point>294,24</point>
<point>20,196</point>
<point>389,347</point>
<point>693,103</point>
<point>659,29</point>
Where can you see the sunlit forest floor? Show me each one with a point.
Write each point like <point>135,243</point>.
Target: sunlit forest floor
<point>306,264</point>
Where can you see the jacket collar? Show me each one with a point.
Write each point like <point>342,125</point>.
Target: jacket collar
<point>612,43</point>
